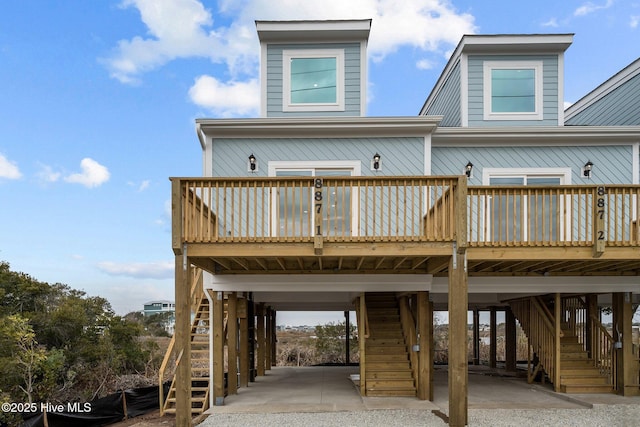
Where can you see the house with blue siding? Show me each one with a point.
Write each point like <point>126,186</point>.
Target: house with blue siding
<point>492,198</point>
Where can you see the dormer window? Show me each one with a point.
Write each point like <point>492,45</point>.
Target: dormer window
<point>512,90</point>
<point>313,80</point>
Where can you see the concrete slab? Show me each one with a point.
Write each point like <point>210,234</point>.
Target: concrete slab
<point>330,389</point>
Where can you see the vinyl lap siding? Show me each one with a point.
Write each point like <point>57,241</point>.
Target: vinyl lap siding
<point>351,79</point>
<point>620,107</point>
<point>447,102</point>
<point>400,156</point>
<point>550,90</point>
<point>613,164</point>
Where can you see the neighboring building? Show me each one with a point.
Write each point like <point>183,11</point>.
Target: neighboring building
<point>161,307</point>
<point>488,199</point>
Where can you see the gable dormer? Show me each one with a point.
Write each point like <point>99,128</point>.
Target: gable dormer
<point>502,80</point>
<point>313,68</point>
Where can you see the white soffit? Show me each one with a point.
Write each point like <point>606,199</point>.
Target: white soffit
<point>321,283</point>
<point>542,284</point>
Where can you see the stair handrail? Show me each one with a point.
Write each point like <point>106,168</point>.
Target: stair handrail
<point>196,292</point>
<point>603,354</point>
<point>409,330</point>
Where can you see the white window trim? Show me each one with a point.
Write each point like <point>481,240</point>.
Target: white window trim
<point>488,66</point>
<point>289,54</point>
<point>354,165</point>
<point>565,179</point>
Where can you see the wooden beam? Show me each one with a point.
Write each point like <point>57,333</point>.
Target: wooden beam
<point>268,339</point>
<point>183,340</point>
<point>244,344</point>
<point>493,345</point>
<point>425,356</point>
<point>399,263</point>
<point>218,348</point>
<point>558,333</point>
<point>260,340</point>
<point>232,343</point>
<point>242,263</point>
<point>627,369</point>
<point>476,337</point>
<point>360,261</point>
<point>274,338</point>
<point>510,340</point>
<point>362,336</point>
<point>223,264</point>
<point>458,366</point>
<point>281,262</point>
<point>261,263</point>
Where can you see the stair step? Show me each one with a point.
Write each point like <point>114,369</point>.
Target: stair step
<point>583,380</point>
<point>576,363</point>
<point>389,375</point>
<point>590,370</point>
<point>386,392</point>
<point>387,366</point>
<point>586,388</point>
<point>390,383</point>
<point>575,355</point>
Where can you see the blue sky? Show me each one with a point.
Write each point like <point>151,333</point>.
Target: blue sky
<point>98,101</point>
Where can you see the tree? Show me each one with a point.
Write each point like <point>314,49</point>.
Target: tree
<point>331,342</point>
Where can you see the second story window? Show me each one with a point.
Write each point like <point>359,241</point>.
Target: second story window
<point>313,80</point>
<point>512,90</point>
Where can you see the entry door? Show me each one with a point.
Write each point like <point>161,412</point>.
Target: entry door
<point>293,206</point>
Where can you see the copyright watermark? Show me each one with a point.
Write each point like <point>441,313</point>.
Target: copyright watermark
<point>25,408</point>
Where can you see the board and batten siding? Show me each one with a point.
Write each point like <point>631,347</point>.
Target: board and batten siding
<point>400,156</point>
<point>620,107</point>
<point>613,164</point>
<point>476,90</point>
<point>447,101</point>
<point>352,62</point>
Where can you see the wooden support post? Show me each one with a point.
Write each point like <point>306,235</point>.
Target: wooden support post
<point>493,345</point>
<point>476,337</point>
<point>627,364</point>
<point>347,356</point>
<point>599,212</point>
<point>232,344</point>
<point>260,340</point>
<point>425,341</point>
<point>244,342</point>
<point>218,348</point>
<point>557,315</point>
<point>183,340</point>
<point>592,312</point>
<point>511,344</point>
<point>268,353</point>
<point>458,363</point>
<point>362,332</point>
<point>274,338</point>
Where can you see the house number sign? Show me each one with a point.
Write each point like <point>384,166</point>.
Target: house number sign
<point>600,201</point>
<point>317,197</point>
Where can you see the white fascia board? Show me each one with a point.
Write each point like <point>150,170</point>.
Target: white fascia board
<point>320,282</point>
<point>542,284</point>
<point>541,135</point>
<point>320,127</point>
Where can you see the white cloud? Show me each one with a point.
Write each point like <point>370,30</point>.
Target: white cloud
<point>9,169</point>
<point>226,99</point>
<point>149,270</point>
<point>93,174</point>
<point>47,174</point>
<point>424,64</point>
<point>590,7</point>
<point>141,186</point>
<point>184,28</point>
<point>553,22</point>
<point>634,20</point>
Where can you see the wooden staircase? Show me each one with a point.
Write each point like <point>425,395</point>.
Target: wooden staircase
<point>578,373</point>
<point>199,363</point>
<point>388,367</point>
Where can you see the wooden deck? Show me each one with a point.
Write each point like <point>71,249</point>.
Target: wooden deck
<point>404,225</point>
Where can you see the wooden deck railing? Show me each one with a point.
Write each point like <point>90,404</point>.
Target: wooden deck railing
<point>537,322</point>
<point>566,215</point>
<point>417,208</point>
<point>295,209</point>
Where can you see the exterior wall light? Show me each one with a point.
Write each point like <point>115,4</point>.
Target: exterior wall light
<point>468,169</point>
<point>376,162</point>
<point>586,169</point>
<point>252,164</point>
